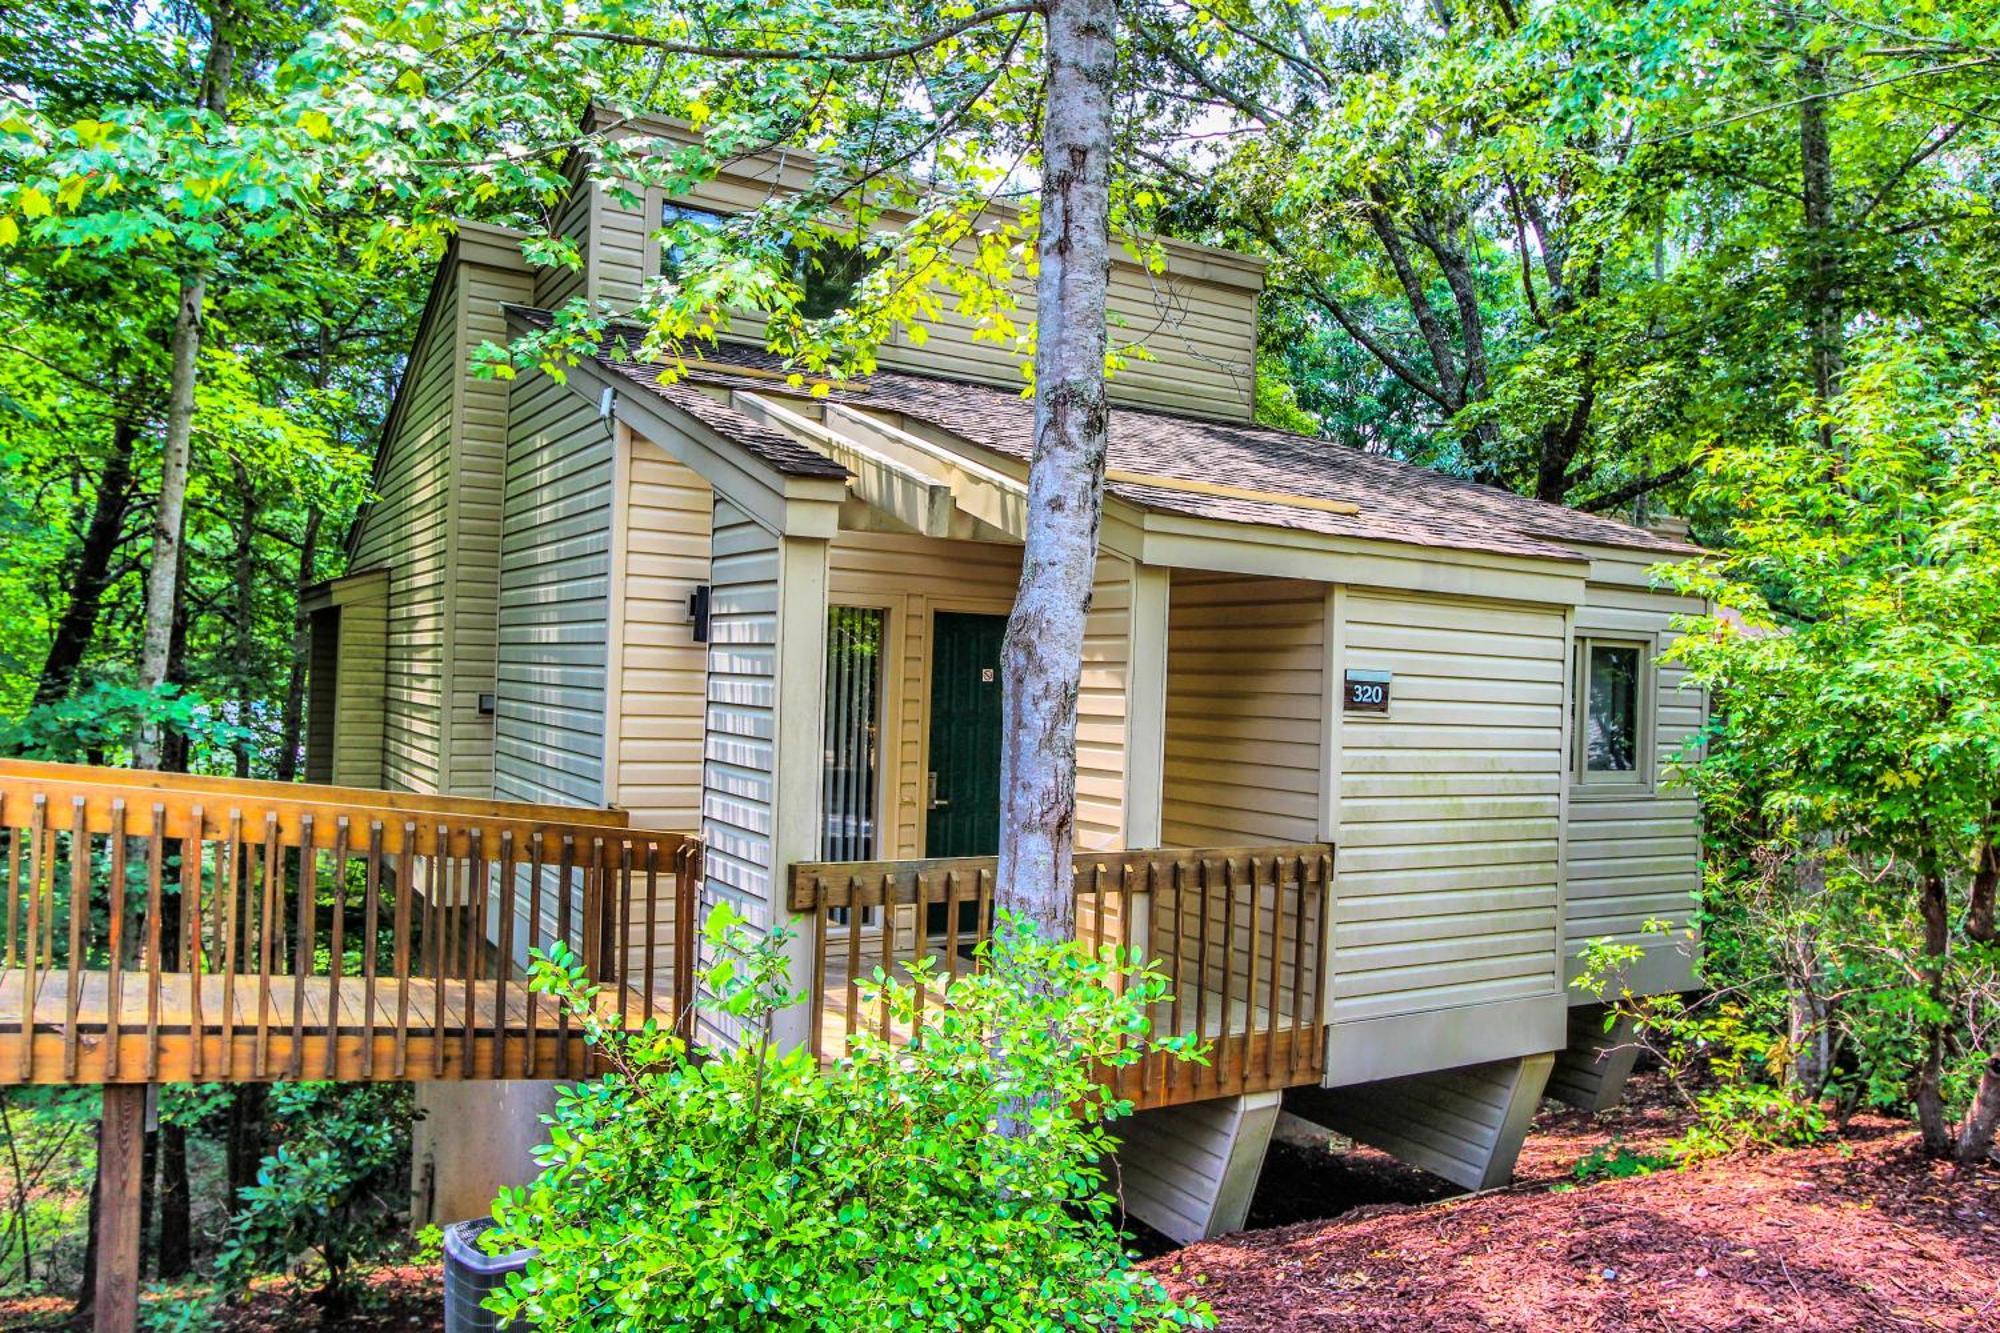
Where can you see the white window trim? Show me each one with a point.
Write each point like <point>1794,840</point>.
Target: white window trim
<point>1642,778</point>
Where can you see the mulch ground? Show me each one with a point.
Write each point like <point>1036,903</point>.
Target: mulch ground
<point>396,1299</point>
<point>1862,1233</point>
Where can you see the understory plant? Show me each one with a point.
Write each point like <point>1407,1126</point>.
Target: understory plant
<point>334,1188</point>
<point>947,1181</point>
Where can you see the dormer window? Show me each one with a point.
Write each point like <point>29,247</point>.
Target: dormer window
<point>674,255</point>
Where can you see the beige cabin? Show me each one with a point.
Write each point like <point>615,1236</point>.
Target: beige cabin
<point>1366,755</point>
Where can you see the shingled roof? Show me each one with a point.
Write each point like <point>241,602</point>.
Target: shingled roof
<point>1396,501</point>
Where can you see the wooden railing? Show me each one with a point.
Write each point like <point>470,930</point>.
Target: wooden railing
<point>161,928</point>
<point>1238,931</point>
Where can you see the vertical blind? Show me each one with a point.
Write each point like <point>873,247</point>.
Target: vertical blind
<point>853,708</point>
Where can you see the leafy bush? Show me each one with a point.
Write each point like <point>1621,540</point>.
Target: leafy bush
<point>98,723</point>
<point>1615,1161</point>
<point>334,1186</point>
<point>751,1190</point>
<point>1721,1057</point>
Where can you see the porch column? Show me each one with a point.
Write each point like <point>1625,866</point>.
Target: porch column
<point>1146,707</point>
<point>799,756</point>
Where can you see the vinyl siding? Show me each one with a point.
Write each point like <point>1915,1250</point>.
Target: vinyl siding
<point>471,610</point>
<point>740,749</point>
<point>1197,327</point>
<point>1635,855</point>
<point>406,531</point>
<point>1448,862</point>
<point>1189,1171</point>
<point>360,658</point>
<point>549,732</point>
<point>1464,1124</point>
<point>557,286</point>
<point>1246,666</point>
<point>1101,741</point>
<point>662,671</point>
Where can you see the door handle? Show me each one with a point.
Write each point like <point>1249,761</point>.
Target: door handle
<point>936,803</point>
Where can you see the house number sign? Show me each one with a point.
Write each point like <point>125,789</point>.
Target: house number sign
<point>1367,692</point>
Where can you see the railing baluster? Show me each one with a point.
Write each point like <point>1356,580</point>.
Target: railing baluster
<point>371,912</point>
<point>307,912</point>
<point>504,962</point>
<point>563,933</point>
<point>336,951</point>
<point>853,958</point>
<point>985,924</point>
<point>156,855</point>
<point>1250,978</point>
<point>271,913</point>
<point>652,913</point>
<point>951,923</point>
<point>888,948</point>
<point>228,883</point>
<point>191,963</point>
<point>13,891</point>
<point>816,1037</point>
<point>406,891</point>
<point>472,913</point>
<point>1180,959</point>
<point>79,917</point>
<point>434,924</point>
<point>537,854</point>
<point>114,985</point>
<point>920,946</point>
<point>1299,1015</point>
<point>1201,961</point>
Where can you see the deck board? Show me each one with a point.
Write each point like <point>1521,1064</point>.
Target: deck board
<point>433,1019</point>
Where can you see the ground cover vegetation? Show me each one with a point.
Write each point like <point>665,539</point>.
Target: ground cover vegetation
<point>1725,258</point>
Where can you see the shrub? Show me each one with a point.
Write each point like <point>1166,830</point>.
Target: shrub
<point>752,1190</point>
<point>333,1187</point>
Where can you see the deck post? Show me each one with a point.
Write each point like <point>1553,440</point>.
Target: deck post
<point>120,1151</point>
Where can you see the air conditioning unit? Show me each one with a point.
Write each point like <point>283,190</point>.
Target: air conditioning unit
<point>471,1274</point>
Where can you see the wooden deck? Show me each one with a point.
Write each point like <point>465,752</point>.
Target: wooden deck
<point>257,1031</point>
<point>159,928</point>
<point>1237,932</point>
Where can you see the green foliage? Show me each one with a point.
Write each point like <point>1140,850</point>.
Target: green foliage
<point>332,1188</point>
<point>96,725</point>
<point>1723,1060</point>
<point>749,1189</point>
<point>179,1309</point>
<point>1615,1161</point>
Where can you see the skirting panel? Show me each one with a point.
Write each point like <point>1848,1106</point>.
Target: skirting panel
<point>1377,1048</point>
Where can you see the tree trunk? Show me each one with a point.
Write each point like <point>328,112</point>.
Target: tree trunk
<point>1042,661</point>
<point>245,637</point>
<point>163,577</point>
<point>1975,1138</point>
<point>92,571</point>
<point>292,721</point>
<point>1979,923</point>
<point>246,1139</point>
<point>1822,313</point>
<point>1930,1076</point>
<point>86,1290</point>
<point>176,1206</point>
<point>1809,1029</point>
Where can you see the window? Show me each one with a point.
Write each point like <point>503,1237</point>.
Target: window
<point>673,253</point>
<point>827,277</point>
<point>1612,740</point>
<point>853,720</point>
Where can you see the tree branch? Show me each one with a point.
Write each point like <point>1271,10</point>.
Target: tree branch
<point>1631,491</point>
<point>870,56</point>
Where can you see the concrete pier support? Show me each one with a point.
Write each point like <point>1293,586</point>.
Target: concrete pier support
<point>1463,1124</point>
<point>1591,1071</point>
<point>1188,1171</point>
<point>473,1140</point>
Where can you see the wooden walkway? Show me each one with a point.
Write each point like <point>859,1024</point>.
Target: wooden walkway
<point>162,928</point>
<point>256,1032</point>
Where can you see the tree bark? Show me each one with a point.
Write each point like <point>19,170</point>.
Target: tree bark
<point>163,577</point>
<point>175,1204</point>
<point>1823,319</point>
<point>292,719</point>
<point>245,598</point>
<point>1979,906</point>
<point>1975,1139</point>
<point>1930,1075</point>
<point>1042,661</point>
<point>92,572</point>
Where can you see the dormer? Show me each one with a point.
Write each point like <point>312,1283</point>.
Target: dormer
<point>1196,318</point>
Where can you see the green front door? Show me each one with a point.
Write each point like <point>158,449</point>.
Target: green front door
<point>964,818</point>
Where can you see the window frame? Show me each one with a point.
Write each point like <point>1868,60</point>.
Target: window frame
<point>1642,776</point>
